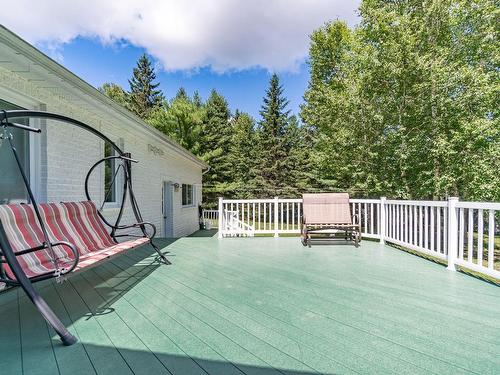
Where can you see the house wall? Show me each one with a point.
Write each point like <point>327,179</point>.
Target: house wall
<point>63,154</point>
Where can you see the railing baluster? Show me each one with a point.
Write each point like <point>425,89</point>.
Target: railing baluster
<point>253,215</point>
<point>438,230</point>
<point>287,216</point>
<point>410,224</point>
<point>365,228</point>
<point>299,214</point>
<point>470,233</point>
<point>426,230</point>
<point>415,226</point>
<point>394,232</point>
<point>461,234</point>
<point>420,230</point>
<point>433,226</point>
<point>293,216</point>
<point>491,238</point>
<point>371,218</point>
<point>406,223</point>
<point>264,225</point>
<point>445,231</point>
<point>480,229</point>
<point>397,221</point>
<point>282,220</point>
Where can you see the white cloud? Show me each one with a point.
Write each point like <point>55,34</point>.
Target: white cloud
<point>185,34</point>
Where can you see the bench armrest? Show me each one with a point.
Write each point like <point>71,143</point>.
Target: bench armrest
<point>139,225</point>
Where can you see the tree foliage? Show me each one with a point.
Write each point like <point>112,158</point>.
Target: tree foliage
<point>144,94</point>
<point>115,93</point>
<point>180,119</point>
<point>406,104</point>
<point>215,143</point>
<point>282,148</point>
<point>243,154</point>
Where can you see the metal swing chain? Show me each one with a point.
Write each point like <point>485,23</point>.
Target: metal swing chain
<point>58,272</point>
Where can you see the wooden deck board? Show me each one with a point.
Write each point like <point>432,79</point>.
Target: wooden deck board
<point>259,306</point>
<point>321,323</point>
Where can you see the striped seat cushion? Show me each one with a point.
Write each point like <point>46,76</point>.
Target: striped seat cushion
<point>75,222</point>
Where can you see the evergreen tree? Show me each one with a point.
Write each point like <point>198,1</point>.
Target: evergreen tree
<point>215,141</point>
<point>243,154</point>
<point>197,101</point>
<point>182,94</point>
<point>270,138</point>
<point>115,93</point>
<point>298,143</point>
<point>144,94</point>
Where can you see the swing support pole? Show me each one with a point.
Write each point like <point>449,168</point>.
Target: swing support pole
<point>66,337</point>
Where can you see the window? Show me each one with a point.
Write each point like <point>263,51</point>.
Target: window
<point>187,195</point>
<point>12,188</point>
<point>110,175</point>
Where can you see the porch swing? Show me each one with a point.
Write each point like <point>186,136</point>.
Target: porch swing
<point>40,241</point>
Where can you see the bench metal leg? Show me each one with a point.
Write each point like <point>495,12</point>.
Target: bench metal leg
<point>162,257</point>
<point>66,337</point>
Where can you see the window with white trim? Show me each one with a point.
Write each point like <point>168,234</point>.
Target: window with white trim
<point>187,195</point>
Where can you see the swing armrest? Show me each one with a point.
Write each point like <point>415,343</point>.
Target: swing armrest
<point>47,275</point>
<point>58,243</point>
<point>139,225</point>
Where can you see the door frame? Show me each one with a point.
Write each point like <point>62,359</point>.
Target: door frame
<point>168,209</point>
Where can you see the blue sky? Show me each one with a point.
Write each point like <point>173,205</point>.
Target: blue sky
<point>97,63</point>
<point>230,45</point>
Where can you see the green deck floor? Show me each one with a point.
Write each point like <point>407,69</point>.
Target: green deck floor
<point>259,306</point>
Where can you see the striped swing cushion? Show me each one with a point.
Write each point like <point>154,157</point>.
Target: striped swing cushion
<point>75,222</point>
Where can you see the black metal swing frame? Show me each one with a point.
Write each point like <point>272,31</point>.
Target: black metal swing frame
<point>7,254</point>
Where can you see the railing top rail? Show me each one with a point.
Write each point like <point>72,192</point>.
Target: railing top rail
<point>249,200</point>
<point>356,200</point>
<point>290,200</point>
<point>418,203</point>
<point>479,205</point>
<point>460,204</point>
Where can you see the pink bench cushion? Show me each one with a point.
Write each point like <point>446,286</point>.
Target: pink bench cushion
<point>75,222</point>
<point>96,256</point>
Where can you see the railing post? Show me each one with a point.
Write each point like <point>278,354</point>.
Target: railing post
<point>276,217</point>
<point>382,220</point>
<point>221,218</point>
<point>452,233</point>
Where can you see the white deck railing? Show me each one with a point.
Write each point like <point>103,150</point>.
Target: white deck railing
<point>460,233</point>
<point>211,217</point>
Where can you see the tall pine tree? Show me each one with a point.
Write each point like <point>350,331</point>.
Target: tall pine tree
<point>271,133</point>
<point>144,94</point>
<point>215,142</point>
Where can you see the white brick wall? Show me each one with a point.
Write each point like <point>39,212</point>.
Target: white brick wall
<point>68,153</point>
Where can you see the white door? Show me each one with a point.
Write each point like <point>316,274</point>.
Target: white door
<point>168,209</point>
